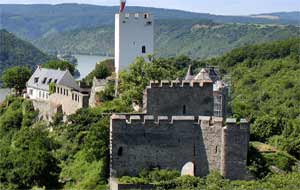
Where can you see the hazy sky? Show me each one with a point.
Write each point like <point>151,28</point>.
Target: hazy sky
<point>225,7</point>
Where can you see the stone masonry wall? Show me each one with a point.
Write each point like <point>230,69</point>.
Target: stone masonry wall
<point>174,98</point>
<point>235,143</point>
<point>143,142</point>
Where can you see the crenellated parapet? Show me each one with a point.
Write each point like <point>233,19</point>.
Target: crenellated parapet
<point>179,83</point>
<point>134,119</point>
<point>141,141</point>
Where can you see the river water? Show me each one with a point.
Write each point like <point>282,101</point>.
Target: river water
<point>87,63</point>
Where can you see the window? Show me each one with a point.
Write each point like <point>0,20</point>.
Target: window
<point>72,96</point>
<point>30,91</point>
<point>40,94</point>
<point>45,79</point>
<point>120,151</point>
<point>64,91</point>
<point>149,23</point>
<point>67,92</point>
<point>145,16</point>
<point>49,81</point>
<point>55,81</point>
<point>184,110</point>
<point>216,151</point>
<point>143,49</point>
<point>47,95</point>
<point>36,79</point>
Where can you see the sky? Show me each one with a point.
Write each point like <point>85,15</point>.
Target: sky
<point>222,7</point>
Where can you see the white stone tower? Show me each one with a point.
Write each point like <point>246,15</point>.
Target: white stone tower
<point>134,37</point>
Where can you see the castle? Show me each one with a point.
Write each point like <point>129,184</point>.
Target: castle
<point>177,130</point>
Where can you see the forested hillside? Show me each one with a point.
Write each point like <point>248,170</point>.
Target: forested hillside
<point>266,89</point>
<point>16,52</point>
<point>35,21</point>
<point>75,154</point>
<point>195,38</point>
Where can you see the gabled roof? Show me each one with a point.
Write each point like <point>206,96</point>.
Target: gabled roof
<point>203,75</point>
<point>42,77</point>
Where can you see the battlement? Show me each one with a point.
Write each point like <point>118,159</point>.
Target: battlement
<point>144,16</point>
<point>232,123</point>
<point>141,119</point>
<point>178,83</point>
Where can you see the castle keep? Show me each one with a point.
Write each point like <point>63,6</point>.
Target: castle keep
<point>177,130</point>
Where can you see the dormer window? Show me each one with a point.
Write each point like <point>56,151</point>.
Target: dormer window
<point>55,81</point>
<point>49,81</point>
<point>149,23</point>
<point>146,16</point>
<point>36,79</point>
<point>44,81</point>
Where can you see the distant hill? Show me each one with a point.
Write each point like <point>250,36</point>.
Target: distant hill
<point>16,52</point>
<point>195,38</point>
<point>35,21</point>
<point>283,16</point>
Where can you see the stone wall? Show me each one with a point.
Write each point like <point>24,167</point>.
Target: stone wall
<point>174,98</point>
<point>45,108</point>
<point>235,143</point>
<point>69,99</point>
<point>143,142</point>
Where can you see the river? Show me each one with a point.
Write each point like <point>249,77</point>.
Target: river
<point>3,93</point>
<point>86,63</point>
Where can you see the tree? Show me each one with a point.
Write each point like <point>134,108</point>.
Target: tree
<point>102,70</point>
<point>16,77</point>
<point>63,65</point>
<point>33,163</point>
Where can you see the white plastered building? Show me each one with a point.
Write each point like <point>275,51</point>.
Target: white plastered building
<point>134,37</point>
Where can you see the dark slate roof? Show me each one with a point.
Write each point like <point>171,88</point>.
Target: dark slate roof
<point>189,74</point>
<point>42,77</point>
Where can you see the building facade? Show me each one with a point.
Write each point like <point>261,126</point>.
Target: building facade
<point>70,99</point>
<point>134,37</point>
<point>178,133</point>
<point>66,97</point>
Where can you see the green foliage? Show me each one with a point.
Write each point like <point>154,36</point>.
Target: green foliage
<point>265,89</point>
<point>82,174</point>
<point>16,52</point>
<point>134,80</point>
<point>63,65</point>
<point>214,181</point>
<point>257,163</point>
<point>29,160</point>
<point>196,38</point>
<point>102,70</point>
<point>16,77</point>
<point>26,152</point>
<point>281,160</point>
<point>108,94</point>
<point>52,88</point>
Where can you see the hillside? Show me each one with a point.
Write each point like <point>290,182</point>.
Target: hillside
<point>16,52</point>
<point>74,155</point>
<point>265,86</point>
<point>35,21</point>
<point>284,16</point>
<point>195,38</point>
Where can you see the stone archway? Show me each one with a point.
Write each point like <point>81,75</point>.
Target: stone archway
<point>188,169</point>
